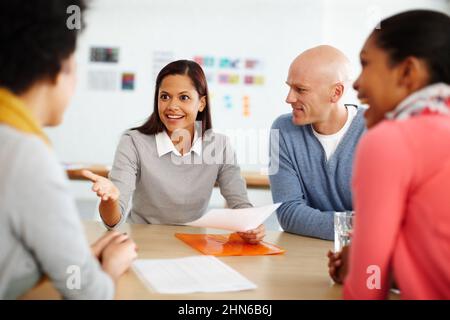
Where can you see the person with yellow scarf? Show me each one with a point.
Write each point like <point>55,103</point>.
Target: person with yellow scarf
<point>41,234</point>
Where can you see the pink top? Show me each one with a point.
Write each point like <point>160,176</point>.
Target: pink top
<point>401,188</point>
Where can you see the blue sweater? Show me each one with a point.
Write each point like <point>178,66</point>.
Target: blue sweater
<point>310,187</point>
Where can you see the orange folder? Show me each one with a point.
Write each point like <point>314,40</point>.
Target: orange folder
<point>227,245</point>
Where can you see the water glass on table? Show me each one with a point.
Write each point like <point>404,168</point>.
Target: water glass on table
<point>343,226</point>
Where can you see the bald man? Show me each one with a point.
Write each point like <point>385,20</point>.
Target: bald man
<point>316,144</point>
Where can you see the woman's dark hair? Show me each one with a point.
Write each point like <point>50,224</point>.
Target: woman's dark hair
<point>36,38</point>
<point>423,34</point>
<point>191,69</point>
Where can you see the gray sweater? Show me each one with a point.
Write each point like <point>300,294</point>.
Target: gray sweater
<point>310,187</point>
<point>170,189</point>
<point>40,230</point>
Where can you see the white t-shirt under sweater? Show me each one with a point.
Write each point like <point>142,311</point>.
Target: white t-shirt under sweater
<point>330,142</point>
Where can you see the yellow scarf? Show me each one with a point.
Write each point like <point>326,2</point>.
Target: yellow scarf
<point>14,114</point>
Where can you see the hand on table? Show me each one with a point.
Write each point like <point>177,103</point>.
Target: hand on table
<point>118,255</point>
<point>98,246</point>
<point>338,264</point>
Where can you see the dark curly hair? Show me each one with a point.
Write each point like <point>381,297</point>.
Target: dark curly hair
<point>35,40</point>
<point>424,34</point>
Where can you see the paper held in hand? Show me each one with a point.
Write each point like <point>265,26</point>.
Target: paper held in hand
<point>240,220</point>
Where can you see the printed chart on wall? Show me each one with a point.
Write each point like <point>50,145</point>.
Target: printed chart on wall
<point>104,73</point>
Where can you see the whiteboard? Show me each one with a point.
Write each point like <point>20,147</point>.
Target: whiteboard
<point>269,32</point>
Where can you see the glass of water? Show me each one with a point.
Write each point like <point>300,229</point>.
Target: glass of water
<point>343,226</point>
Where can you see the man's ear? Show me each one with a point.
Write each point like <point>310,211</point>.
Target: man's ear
<point>202,104</point>
<point>413,74</point>
<point>337,93</point>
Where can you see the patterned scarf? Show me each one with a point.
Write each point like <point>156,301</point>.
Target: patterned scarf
<point>433,99</point>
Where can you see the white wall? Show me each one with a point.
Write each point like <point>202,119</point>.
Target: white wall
<point>347,23</point>
<point>273,30</point>
<point>247,29</point>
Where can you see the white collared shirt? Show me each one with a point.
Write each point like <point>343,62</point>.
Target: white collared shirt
<point>164,145</point>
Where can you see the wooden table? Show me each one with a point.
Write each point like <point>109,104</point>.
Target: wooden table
<point>300,273</point>
<point>74,171</point>
<point>253,179</point>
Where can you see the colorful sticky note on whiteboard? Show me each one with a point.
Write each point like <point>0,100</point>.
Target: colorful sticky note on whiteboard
<point>233,79</point>
<point>227,101</point>
<point>251,64</point>
<point>235,63</point>
<point>224,63</point>
<point>227,63</point>
<point>254,80</point>
<point>259,80</point>
<point>208,61</point>
<point>204,61</point>
<point>223,78</point>
<point>248,80</point>
<point>198,59</point>
<point>246,106</point>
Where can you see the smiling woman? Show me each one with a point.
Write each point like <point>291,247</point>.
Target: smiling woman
<point>190,78</point>
<point>401,175</point>
<point>178,107</point>
<point>161,164</point>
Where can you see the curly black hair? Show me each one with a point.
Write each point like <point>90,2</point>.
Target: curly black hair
<point>36,37</point>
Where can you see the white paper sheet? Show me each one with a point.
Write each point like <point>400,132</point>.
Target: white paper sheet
<point>191,274</point>
<point>235,219</point>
